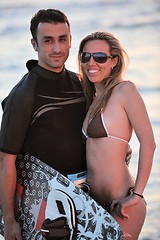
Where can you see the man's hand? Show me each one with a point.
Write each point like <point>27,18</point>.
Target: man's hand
<point>128,155</point>
<point>12,231</point>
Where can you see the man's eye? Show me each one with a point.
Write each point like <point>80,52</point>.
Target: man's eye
<point>62,39</point>
<point>48,41</point>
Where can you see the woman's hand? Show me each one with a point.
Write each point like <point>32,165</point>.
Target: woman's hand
<point>119,205</point>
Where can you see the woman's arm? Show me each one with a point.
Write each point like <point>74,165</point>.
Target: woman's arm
<point>135,109</point>
<point>137,114</point>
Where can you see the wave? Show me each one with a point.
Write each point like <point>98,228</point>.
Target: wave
<point>149,89</point>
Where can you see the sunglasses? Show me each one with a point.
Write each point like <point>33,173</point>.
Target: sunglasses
<point>99,57</point>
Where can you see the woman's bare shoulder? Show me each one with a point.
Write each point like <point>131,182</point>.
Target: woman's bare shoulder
<point>127,91</point>
<point>127,87</point>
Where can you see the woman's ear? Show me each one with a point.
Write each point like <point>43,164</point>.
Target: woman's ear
<point>114,61</point>
<point>34,44</point>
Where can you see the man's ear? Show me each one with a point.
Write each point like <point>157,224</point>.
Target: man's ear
<point>34,44</point>
<point>70,41</point>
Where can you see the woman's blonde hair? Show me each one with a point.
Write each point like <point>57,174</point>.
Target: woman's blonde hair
<point>116,50</point>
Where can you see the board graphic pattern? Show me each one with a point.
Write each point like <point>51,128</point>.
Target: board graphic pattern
<point>36,181</point>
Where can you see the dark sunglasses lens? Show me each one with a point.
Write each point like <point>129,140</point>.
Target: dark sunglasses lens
<point>85,57</point>
<point>100,57</point>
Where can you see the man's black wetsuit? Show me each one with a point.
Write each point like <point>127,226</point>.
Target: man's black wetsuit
<point>43,117</point>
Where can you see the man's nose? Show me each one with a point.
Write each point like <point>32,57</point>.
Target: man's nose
<point>56,47</point>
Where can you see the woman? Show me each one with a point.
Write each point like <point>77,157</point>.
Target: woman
<point>115,110</point>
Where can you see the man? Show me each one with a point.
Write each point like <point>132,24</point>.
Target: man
<point>43,114</point>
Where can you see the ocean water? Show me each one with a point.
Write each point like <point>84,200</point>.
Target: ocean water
<point>136,24</point>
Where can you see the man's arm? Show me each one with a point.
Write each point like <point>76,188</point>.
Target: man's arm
<point>7,192</point>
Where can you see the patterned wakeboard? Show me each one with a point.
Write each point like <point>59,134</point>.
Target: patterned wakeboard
<point>36,180</point>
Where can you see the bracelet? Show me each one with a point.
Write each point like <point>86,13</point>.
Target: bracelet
<point>139,195</point>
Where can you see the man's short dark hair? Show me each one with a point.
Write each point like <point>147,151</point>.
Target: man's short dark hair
<point>48,16</point>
